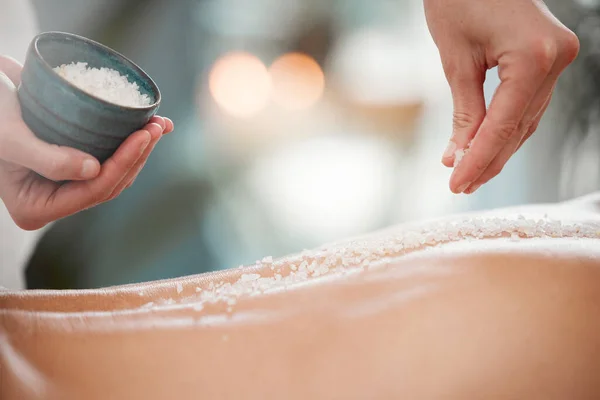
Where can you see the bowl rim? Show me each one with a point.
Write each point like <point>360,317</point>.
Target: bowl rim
<point>133,65</point>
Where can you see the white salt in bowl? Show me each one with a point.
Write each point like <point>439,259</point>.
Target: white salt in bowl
<point>93,111</point>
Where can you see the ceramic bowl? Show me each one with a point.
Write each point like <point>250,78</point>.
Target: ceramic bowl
<point>60,113</point>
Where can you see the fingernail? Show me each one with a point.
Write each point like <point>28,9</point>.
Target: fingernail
<point>463,187</point>
<point>170,125</point>
<point>89,169</point>
<point>160,121</point>
<point>449,152</point>
<point>159,129</point>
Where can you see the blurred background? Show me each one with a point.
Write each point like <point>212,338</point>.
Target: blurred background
<point>298,122</point>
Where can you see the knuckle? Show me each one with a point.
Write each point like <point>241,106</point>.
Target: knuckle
<point>502,132</point>
<point>494,170</point>
<point>99,197</point>
<point>526,127</point>
<point>462,120</point>
<point>457,73</point>
<point>450,67</point>
<point>480,165</point>
<point>532,128</point>
<point>570,47</point>
<point>110,197</point>
<point>114,194</point>
<point>543,52</point>
<point>57,168</point>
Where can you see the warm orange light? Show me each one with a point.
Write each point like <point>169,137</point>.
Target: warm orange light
<point>240,84</point>
<point>298,81</point>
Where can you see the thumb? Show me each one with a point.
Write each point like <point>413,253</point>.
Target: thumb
<point>466,84</point>
<point>51,161</point>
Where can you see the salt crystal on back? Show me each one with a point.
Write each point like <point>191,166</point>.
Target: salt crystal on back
<point>249,277</point>
<point>355,257</point>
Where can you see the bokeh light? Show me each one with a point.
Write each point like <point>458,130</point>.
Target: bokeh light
<point>240,84</point>
<point>298,81</point>
<point>327,186</point>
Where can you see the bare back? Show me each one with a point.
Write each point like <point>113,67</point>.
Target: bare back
<point>495,305</point>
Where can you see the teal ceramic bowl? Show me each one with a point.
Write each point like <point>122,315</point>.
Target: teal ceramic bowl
<point>60,113</point>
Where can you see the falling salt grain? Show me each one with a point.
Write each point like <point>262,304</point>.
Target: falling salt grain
<point>105,83</point>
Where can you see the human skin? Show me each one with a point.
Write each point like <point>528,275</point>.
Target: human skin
<point>530,47</point>
<point>493,317</point>
<point>26,161</point>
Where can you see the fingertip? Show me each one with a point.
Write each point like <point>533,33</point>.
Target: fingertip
<point>473,188</point>
<point>454,189</point>
<point>90,168</point>
<point>453,184</point>
<point>155,130</point>
<point>448,162</point>
<point>158,120</point>
<point>457,185</point>
<point>462,188</point>
<point>448,156</point>
<point>169,125</point>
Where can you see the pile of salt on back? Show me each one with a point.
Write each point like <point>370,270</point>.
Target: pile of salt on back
<point>104,83</point>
